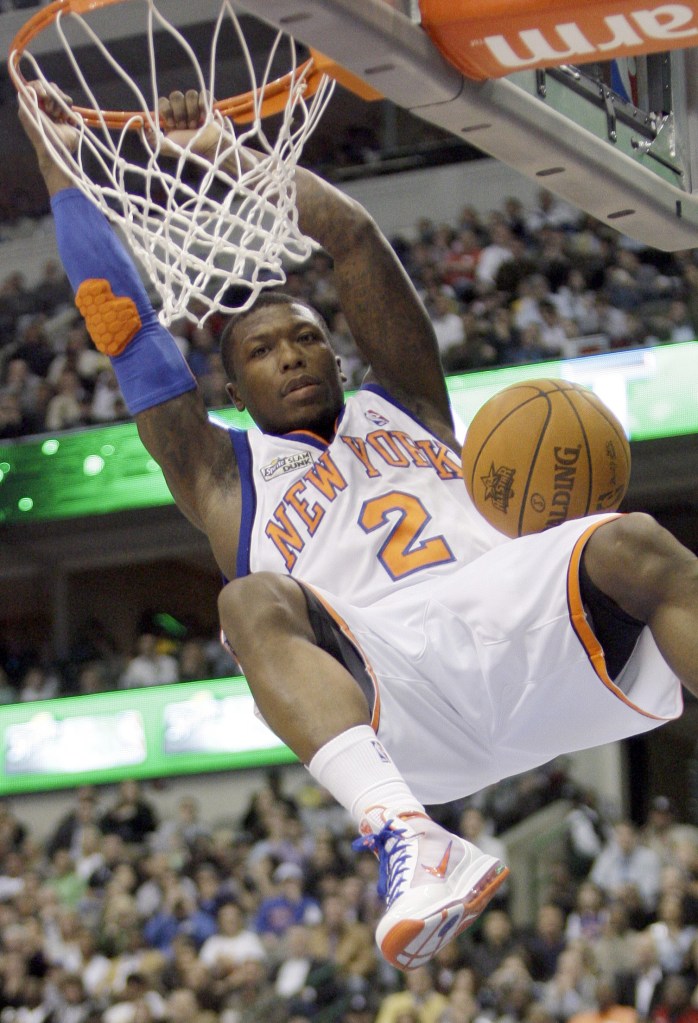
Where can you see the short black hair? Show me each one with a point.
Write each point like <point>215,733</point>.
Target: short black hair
<point>264,299</point>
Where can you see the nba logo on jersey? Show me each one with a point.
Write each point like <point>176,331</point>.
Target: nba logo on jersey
<point>375,417</point>
<point>287,463</point>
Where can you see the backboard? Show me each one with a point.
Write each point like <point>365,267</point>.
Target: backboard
<point>617,142</point>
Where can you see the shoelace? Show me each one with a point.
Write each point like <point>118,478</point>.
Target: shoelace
<point>392,863</point>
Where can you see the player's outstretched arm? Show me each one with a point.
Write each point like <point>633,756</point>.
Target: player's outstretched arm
<point>384,312</point>
<point>156,382</point>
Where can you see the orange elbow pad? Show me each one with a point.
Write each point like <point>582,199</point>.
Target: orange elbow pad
<point>112,322</point>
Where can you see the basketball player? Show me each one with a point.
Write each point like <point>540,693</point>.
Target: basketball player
<point>404,650</point>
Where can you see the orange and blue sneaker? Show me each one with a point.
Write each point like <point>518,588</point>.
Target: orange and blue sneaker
<point>435,885</point>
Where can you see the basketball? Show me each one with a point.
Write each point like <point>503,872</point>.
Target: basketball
<point>541,452</point>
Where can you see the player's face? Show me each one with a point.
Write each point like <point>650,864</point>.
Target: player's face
<point>286,374</point>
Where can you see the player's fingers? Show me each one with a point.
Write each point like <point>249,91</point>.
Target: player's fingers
<point>165,115</point>
<point>174,108</point>
<point>192,109</point>
<point>57,104</point>
<point>52,100</point>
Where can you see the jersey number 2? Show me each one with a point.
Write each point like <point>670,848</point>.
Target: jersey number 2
<point>403,552</point>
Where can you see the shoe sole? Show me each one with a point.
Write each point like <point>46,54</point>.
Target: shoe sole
<point>412,942</point>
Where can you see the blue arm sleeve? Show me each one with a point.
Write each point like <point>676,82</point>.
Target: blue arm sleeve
<point>151,369</point>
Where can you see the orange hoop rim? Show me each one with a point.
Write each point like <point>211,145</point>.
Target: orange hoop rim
<point>269,100</point>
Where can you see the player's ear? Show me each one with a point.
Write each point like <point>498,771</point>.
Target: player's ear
<point>234,396</point>
<point>342,375</point>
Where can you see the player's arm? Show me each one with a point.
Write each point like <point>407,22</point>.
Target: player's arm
<point>159,389</point>
<point>388,321</point>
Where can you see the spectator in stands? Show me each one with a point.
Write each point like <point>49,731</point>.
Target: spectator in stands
<point>11,875</point>
<point>611,321</point>
<point>680,327</point>
<point>149,666</point>
<point>625,866</point>
<point>38,683</point>
<point>419,995</point>
<point>339,936</point>
<point>282,841</point>
<point>571,989</point>
<point>232,943</point>
<point>287,905</point>
<point>13,834</point>
<point>554,330</point>
<point>181,830</point>
<point>606,1008</point>
<point>672,936</point>
<point>78,355</point>
<point>68,832</point>
<point>459,265</point>
<point>131,816</point>
<point>193,665</point>
<point>248,995</point>
<point>448,325</point>
<point>14,422</point>
<point>353,365</point>
<point>495,941</point>
<point>19,380</point>
<point>550,211</point>
<point>586,921</point>
<point>641,986</point>
<point>33,346</point>
<point>674,1005</point>
<point>214,384</point>
<point>585,832</point>
<point>52,291</point>
<point>179,914</point>
<point>494,254</point>
<point>527,346</point>
<point>107,405</point>
<point>69,406</point>
<point>64,881</point>
<point>546,942</point>
<point>553,258</point>
<point>92,678</point>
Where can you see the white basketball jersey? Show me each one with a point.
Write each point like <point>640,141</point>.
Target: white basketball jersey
<point>382,506</point>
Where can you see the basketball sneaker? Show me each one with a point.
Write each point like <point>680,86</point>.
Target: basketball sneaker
<point>435,884</point>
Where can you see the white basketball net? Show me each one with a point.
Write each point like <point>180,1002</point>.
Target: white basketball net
<point>236,226</point>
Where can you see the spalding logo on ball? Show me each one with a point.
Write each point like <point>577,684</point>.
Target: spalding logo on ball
<point>544,451</point>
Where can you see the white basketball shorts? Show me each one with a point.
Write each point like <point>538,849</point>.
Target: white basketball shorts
<point>494,670</point>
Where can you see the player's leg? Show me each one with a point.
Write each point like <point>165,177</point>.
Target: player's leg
<point>653,578</point>
<point>296,662</point>
<point>304,694</point>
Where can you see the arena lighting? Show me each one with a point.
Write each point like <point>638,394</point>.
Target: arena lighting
<point>97,471</point>
<point>106,469</point>
<point>158,732</point>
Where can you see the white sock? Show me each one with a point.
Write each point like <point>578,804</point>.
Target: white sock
<point>356,769</point>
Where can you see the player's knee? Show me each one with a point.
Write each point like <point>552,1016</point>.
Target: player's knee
<point>638,563</point>
<point>259,606</point>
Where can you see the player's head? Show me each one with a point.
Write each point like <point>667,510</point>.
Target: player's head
<point>281,366</point>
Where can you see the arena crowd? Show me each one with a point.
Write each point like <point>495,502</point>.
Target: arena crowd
<point>124,915</point>
<point>516,286</point>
